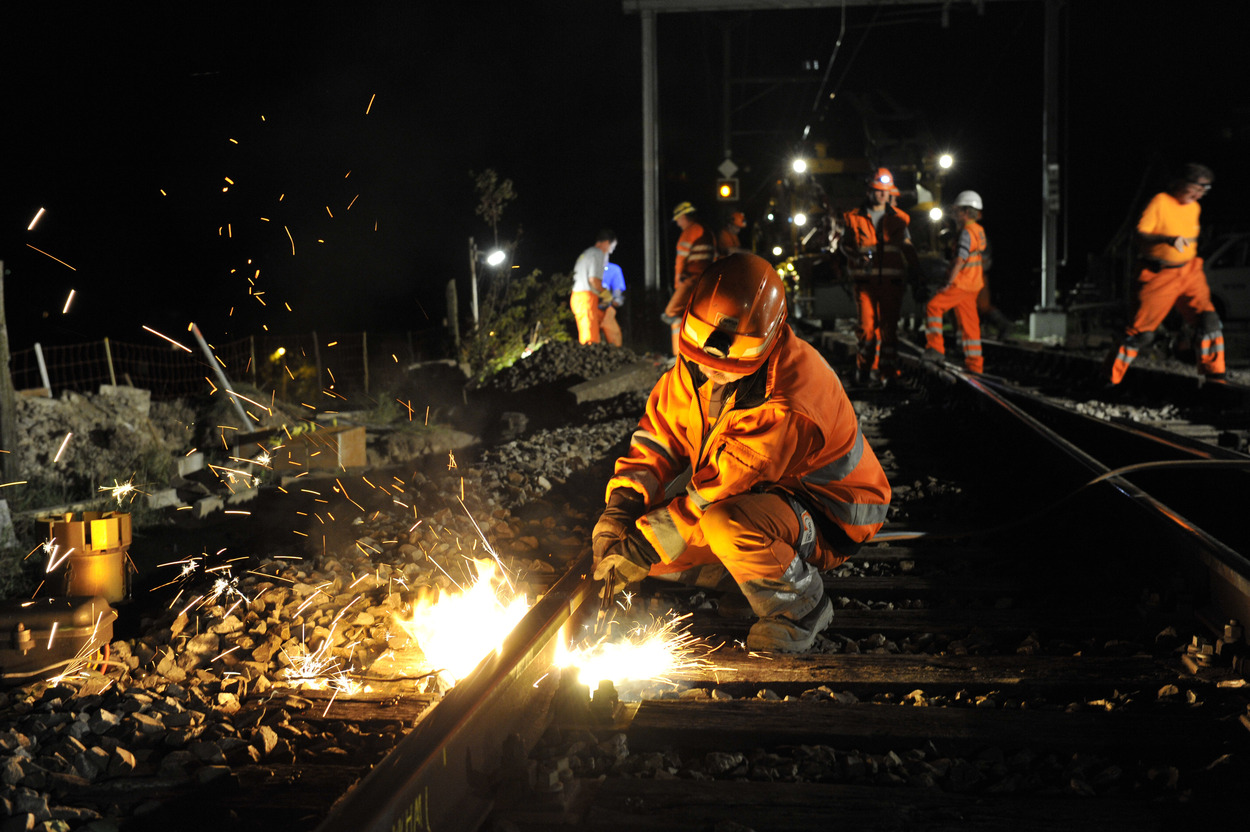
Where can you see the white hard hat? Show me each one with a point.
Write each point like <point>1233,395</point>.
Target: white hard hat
<point>968,199</point>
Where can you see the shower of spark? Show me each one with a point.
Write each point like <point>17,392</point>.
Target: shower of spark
<point>87,654</point>
<point>121,492</point>
<point>455,631</point>
<point>654,652</point>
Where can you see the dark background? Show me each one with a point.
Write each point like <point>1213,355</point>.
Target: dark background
<point>106,107</point>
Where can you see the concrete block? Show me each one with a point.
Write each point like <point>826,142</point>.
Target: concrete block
<point>190,463</point>
<point>206,506</point>
<point>240,496</point>
<point>641,375</point>
<point>167,498</point>
<point>324,449</point>
<point>8,537</point>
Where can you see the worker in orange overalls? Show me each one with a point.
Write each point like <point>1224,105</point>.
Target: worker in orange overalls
<point>963,285</point>
<point>695,249</point>
<point>880,255</point>
<point>782,483</point>
<point>1171,275</point>
<point>588,285</point>
<point>728,240</point>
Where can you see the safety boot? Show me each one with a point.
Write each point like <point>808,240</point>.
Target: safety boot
<point>780,634</point>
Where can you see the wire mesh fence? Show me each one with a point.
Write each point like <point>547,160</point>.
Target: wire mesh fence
<point>294,368</point>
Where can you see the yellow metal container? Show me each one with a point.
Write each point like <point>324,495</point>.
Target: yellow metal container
<point>91,555</point>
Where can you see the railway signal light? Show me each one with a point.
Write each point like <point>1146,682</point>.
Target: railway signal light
<point>727,190</point>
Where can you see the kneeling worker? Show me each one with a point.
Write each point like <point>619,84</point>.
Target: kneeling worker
<point>783,484</point>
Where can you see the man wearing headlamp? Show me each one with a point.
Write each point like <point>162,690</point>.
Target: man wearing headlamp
<point>782,483</point>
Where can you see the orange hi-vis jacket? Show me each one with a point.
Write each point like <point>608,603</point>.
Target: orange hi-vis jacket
<point>695,250</point>
<point>972,277</point>
<point>887,247</point>
<point>1166,216</point>
<point>799,435</point>
<point>727,241</point>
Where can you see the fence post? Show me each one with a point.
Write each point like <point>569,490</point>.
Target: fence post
<point>43,369</point>
<point>453,314</point>
<point>364,349</point>
<point>8,397</point>
<point>317,359</point>
<point>108,356</point>
<point>247,424</point>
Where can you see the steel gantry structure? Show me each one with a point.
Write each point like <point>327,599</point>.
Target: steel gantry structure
<point>1047,320</point>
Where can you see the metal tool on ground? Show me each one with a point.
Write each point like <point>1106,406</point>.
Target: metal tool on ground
<point>606,606</point>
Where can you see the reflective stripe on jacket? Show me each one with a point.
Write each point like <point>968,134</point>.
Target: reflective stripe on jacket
<point>694,252</point>
<point>971,277</point>
<point>887,246</point>
<point>799,435</point>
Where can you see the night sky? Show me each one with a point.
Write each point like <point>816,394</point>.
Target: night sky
<point>109,106</point>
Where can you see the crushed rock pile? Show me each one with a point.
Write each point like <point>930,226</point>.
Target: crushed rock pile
<point>212,685</point>
<point>561,362</point>
<point>212,681</point>
<point>76,443</point>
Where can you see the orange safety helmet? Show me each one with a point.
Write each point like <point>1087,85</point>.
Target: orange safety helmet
<point>735,315</point>
<point>882,180</point>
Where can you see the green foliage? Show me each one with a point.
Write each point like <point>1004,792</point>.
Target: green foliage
<point>518,314</point>
<point>493,197</point>
<point>19,575</point>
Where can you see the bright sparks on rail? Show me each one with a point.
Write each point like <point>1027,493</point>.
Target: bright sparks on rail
<point>645,652</point>
<point>456,630</point>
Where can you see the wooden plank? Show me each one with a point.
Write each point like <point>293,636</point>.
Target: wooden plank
<point>320,705</point>
<point>278,786</point>
<point>918,586</point>
<point>636,805</point>
<point>921,552</point>
<point>933,674</point>
<point>1011,623</point>
<point>746,723</point>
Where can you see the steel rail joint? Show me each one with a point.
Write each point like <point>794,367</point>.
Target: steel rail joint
<point>441,775</point>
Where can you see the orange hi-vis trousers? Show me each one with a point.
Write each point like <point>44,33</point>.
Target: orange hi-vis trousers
<point>585,307</point>
<point>611,328</point>
<point>1184,289</point>
<point>757,537</point>
<point>878,303</point>
<point>964,304</point>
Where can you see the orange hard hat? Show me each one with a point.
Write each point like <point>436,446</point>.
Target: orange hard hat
<point>882,180</point>
<point>735,315</point>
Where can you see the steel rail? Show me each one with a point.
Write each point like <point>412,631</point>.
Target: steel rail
<point>1230,566</point>
<point>1177,442</point>
<point>443,774</point>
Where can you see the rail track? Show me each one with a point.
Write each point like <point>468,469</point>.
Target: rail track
<point>1039,639</point>
<point>1047,650</point>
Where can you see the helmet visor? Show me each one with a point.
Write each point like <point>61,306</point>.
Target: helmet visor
<point>721,348</point>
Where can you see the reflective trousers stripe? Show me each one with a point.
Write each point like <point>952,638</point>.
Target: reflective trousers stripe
<point>963,303</point>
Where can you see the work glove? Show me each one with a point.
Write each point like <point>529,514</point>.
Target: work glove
<point>631,556</point>
<point>616,541</point>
